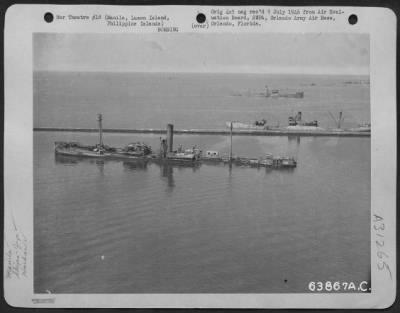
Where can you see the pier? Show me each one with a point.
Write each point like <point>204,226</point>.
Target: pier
<point>241,132</point>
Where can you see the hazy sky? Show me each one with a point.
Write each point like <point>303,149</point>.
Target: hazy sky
<point>186,52</point>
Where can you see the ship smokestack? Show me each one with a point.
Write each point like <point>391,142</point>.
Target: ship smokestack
<point>299,116</point>
<point>100,120</point>
<point>170,137</point>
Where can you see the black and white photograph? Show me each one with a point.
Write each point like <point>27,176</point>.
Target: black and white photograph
<point>201,163</point>
<point>164,166</point>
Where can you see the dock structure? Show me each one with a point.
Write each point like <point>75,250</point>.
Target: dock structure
<point>238,132</point>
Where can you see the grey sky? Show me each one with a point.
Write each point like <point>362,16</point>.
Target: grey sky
<point>187,52</point>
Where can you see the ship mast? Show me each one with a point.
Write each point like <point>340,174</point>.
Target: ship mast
<point>230,155</point>
<point>100,119</point>
<point>341,119</point>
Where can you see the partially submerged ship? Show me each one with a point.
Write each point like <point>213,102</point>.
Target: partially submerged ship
<point>268,160</point>
<point>168,154</point>
<point>142,152</point>
<point>132,150</point>
<point>269,93</point>
<point>276,93</point>
<point>135,150</point>
<point>257,125</point>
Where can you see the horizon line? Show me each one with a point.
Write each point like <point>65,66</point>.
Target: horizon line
<point>205,72</point>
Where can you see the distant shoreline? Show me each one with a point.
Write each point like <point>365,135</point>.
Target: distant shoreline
<point>241,132</point>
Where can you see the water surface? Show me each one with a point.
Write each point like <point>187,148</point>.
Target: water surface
<point>123,227</point>
<point>126,227</point>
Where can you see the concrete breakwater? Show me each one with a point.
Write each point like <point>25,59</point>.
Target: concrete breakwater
<point>242,132</point>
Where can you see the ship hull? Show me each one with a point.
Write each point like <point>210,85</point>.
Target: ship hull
<point>239,125</point>
<point>93,154</point>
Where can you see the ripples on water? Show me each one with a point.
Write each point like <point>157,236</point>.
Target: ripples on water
<point>123,227</point>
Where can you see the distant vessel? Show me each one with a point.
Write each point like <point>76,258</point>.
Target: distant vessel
<point>295,123</point>
<point>276,93</point>
<point>363,127</point>
<point>260,125</point>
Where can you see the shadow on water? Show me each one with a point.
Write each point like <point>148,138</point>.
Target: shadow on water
<point>292,138</point>
<point>134,165</point>
<point>66,160</point>
<point>167,172</point>
<point>74,160</point>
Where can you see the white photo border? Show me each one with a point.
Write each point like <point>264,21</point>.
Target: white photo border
<point>23,20</point>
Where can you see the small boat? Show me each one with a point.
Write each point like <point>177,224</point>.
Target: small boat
<point>276,93</point>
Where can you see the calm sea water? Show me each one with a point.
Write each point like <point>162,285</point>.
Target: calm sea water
<point>125,227</point>
<point>192,100</point>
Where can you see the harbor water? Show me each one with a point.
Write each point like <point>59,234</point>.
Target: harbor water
<point>130,227</point>
<point>199,101</point>
<point>124,227</point>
